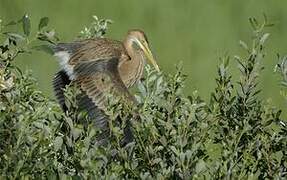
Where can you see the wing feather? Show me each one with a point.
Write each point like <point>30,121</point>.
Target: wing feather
<point>98,79</point>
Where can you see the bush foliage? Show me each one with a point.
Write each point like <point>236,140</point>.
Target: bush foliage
<point>236,135</point>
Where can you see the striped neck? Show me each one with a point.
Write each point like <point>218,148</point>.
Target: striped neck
<point>132,70</point>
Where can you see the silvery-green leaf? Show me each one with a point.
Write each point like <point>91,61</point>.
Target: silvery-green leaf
<point>26,24</point>
<point>58,142</point>
<point>43,22</point>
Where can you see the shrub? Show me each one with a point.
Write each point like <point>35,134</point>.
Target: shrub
<point>235,135</point>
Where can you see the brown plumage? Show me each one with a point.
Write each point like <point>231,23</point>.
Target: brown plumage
<point>102,66</point>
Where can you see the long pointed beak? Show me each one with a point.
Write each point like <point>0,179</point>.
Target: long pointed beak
<point>148,54</point>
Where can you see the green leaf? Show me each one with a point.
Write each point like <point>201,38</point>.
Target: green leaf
<point>156,161</point>
<point>11,23</point>
<point>43,22</point>
<point>76,132</point>
<point>142,88</point>
<point>264,38</point>
<point>200,166</point>
<point>58,142</point>
<point>243,45</point>
<point>278,156</point>
<point>174,150</point>
<point>214,150</point>
<point>14,36</point>
<point>4,48</point>
<point>26,24</point>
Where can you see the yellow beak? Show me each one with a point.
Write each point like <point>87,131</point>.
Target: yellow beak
<point>148,53</point>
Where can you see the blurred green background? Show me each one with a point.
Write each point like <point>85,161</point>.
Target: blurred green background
<point>196,32</point>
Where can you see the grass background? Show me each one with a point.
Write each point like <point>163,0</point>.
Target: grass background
<point>193,31</point>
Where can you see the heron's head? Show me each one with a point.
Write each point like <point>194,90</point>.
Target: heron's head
<point>137,42</point>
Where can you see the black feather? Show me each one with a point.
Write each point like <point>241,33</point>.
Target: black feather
<point>97,116</point>
<point>61,79</point>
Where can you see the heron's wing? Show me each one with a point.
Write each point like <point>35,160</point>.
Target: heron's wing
<point>98,79</point>
<point>86,49</point>
<point>97,49</point>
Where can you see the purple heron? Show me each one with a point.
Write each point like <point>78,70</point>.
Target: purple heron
<point>100,66</point>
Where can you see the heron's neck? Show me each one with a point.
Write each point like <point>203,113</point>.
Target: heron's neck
<point>131,70</point>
